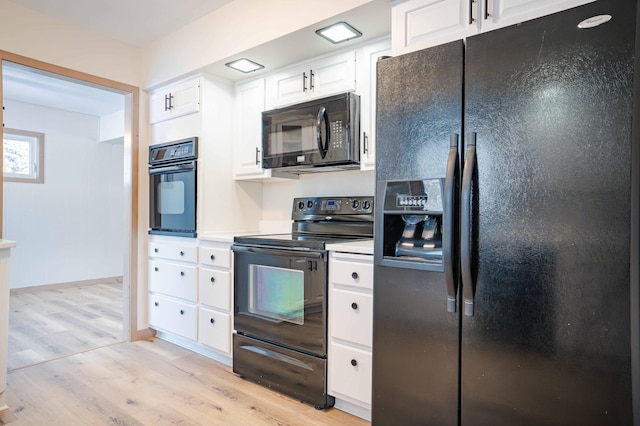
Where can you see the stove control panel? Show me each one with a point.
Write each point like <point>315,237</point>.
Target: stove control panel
<point>323,206</point>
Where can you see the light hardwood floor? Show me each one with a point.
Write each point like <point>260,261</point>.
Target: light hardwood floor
<point>49,323</point>
<point>149,382</point>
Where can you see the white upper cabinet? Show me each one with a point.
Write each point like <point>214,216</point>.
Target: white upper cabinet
<point>174,101</point>
<point>249,104</point>
<point>418,24</point>
<point>366,87</point>
<point>310,80</point>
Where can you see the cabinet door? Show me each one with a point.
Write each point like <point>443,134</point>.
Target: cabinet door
<point>351,316</point>
<point>249,103</point>
<point>501,13</point>
<point>350,372</point>
<point>332,75</point>
<point>287,87</point>
<point>175,101</point>
<point>417,24</point>
<point>215,330</point>
<point>215,288</point>
<point>366,87</point>
<point>172,316</point>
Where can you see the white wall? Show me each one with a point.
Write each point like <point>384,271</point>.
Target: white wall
<point>71,227</point>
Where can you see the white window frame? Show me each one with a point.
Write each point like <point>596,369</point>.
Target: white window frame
<point>36,150</point>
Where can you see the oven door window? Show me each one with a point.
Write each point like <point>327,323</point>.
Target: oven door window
<point>277,294</point>
<point>172,200</point>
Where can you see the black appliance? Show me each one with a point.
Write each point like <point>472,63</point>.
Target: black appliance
<point>506,250</point>
<point>310,136</point>
<point>172,188</point>
<point>280,296</point>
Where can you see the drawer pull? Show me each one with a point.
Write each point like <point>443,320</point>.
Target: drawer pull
<point>155,303</point>
<point>181,311</point>
<point>213,280</point>
<point>354,275</point>
<point>181,253</point>
<point>155,250</point>
<point>354,306</point>
<point>354,362</point>
<point>182,273</point>
<point>156,269</point>
<point>212,320</point>
<point>212,258</point>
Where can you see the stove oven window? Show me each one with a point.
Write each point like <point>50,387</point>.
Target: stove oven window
<point>277,294</point>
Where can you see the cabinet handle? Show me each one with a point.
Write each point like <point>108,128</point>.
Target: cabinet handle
<point>257,156</point>
<point>181,312</point>
<point>311,75</point>
<point>212,257</point>
<point>155,269</point>
<point>155,250</point>
<point>366,143</point>
<point>182,273</point>
<point>181,253</point>
<point>212,320</point>
<point>213,280</point>
<point>471,19</point>
<point>486,10</point>
<point>354,275</point>
<point>354,362</point>
<point>155,303</point>
<point>354,306</point>
<point>166,102</point>
<point>170,103</point>
<point>304,82</point>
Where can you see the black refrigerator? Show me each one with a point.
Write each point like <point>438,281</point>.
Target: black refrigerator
<point>506,244</point>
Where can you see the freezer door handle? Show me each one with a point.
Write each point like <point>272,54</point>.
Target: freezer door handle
<point>448,221</point>
<point>468,287</point>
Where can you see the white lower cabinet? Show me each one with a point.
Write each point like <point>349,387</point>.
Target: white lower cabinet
<point>350,332</point>
<point>190,294</point>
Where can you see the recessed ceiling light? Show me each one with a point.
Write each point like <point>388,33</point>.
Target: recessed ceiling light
<point>244,65</point>
<point>339,32</point>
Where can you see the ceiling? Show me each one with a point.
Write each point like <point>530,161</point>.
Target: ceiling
<point>139,27</point>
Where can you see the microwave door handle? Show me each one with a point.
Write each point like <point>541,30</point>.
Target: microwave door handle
<point>323,147</point>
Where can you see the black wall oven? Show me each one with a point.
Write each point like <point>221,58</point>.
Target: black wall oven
<point>173,188</point>
<point>280,289</point>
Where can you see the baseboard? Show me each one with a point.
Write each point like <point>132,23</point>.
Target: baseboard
<point>57,286</point>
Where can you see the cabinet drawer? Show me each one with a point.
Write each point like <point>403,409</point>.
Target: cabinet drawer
<point>215,288</point>
<point>173,251</point>
<point>351,316</point>
<point>351,269</point>
<point>215,256</point>
<point>350,372</point>
<point>172,316</point>
<point>215,330</point>
<point>174,279</point>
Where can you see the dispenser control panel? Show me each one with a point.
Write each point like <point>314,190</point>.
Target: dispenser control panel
<point>404,200</point>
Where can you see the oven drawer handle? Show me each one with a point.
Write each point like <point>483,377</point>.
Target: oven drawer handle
<point>175,168</point>
<point>279,252</point>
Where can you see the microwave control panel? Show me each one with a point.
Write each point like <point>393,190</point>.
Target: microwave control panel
<point>337,134</point>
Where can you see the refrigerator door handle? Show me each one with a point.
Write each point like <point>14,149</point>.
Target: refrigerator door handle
<point>468,287</point>
<point>448,231</point>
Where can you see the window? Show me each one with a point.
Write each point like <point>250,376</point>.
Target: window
<point>23,156</point>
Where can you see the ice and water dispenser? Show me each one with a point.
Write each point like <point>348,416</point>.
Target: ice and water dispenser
<point>412,223</point>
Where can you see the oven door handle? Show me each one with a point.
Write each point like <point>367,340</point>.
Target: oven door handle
<point>279,252</point>
<point>175,168</point>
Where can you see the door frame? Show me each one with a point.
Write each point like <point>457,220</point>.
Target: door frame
<point>130,183</point>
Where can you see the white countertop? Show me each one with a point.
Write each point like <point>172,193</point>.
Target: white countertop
<point>224,237</point>
<point>7,244</point>
<point>359,246</point>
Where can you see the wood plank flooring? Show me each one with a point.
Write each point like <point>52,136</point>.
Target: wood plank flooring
<point>68,366</point>
<point>149,382</point>
<point>46,324</point>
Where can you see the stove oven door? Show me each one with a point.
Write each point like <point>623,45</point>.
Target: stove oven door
<point>279,297</point>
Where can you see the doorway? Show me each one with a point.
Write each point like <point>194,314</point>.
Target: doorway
<point>129,175</point>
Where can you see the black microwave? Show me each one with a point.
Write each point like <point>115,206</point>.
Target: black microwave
<point>320,133</point>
